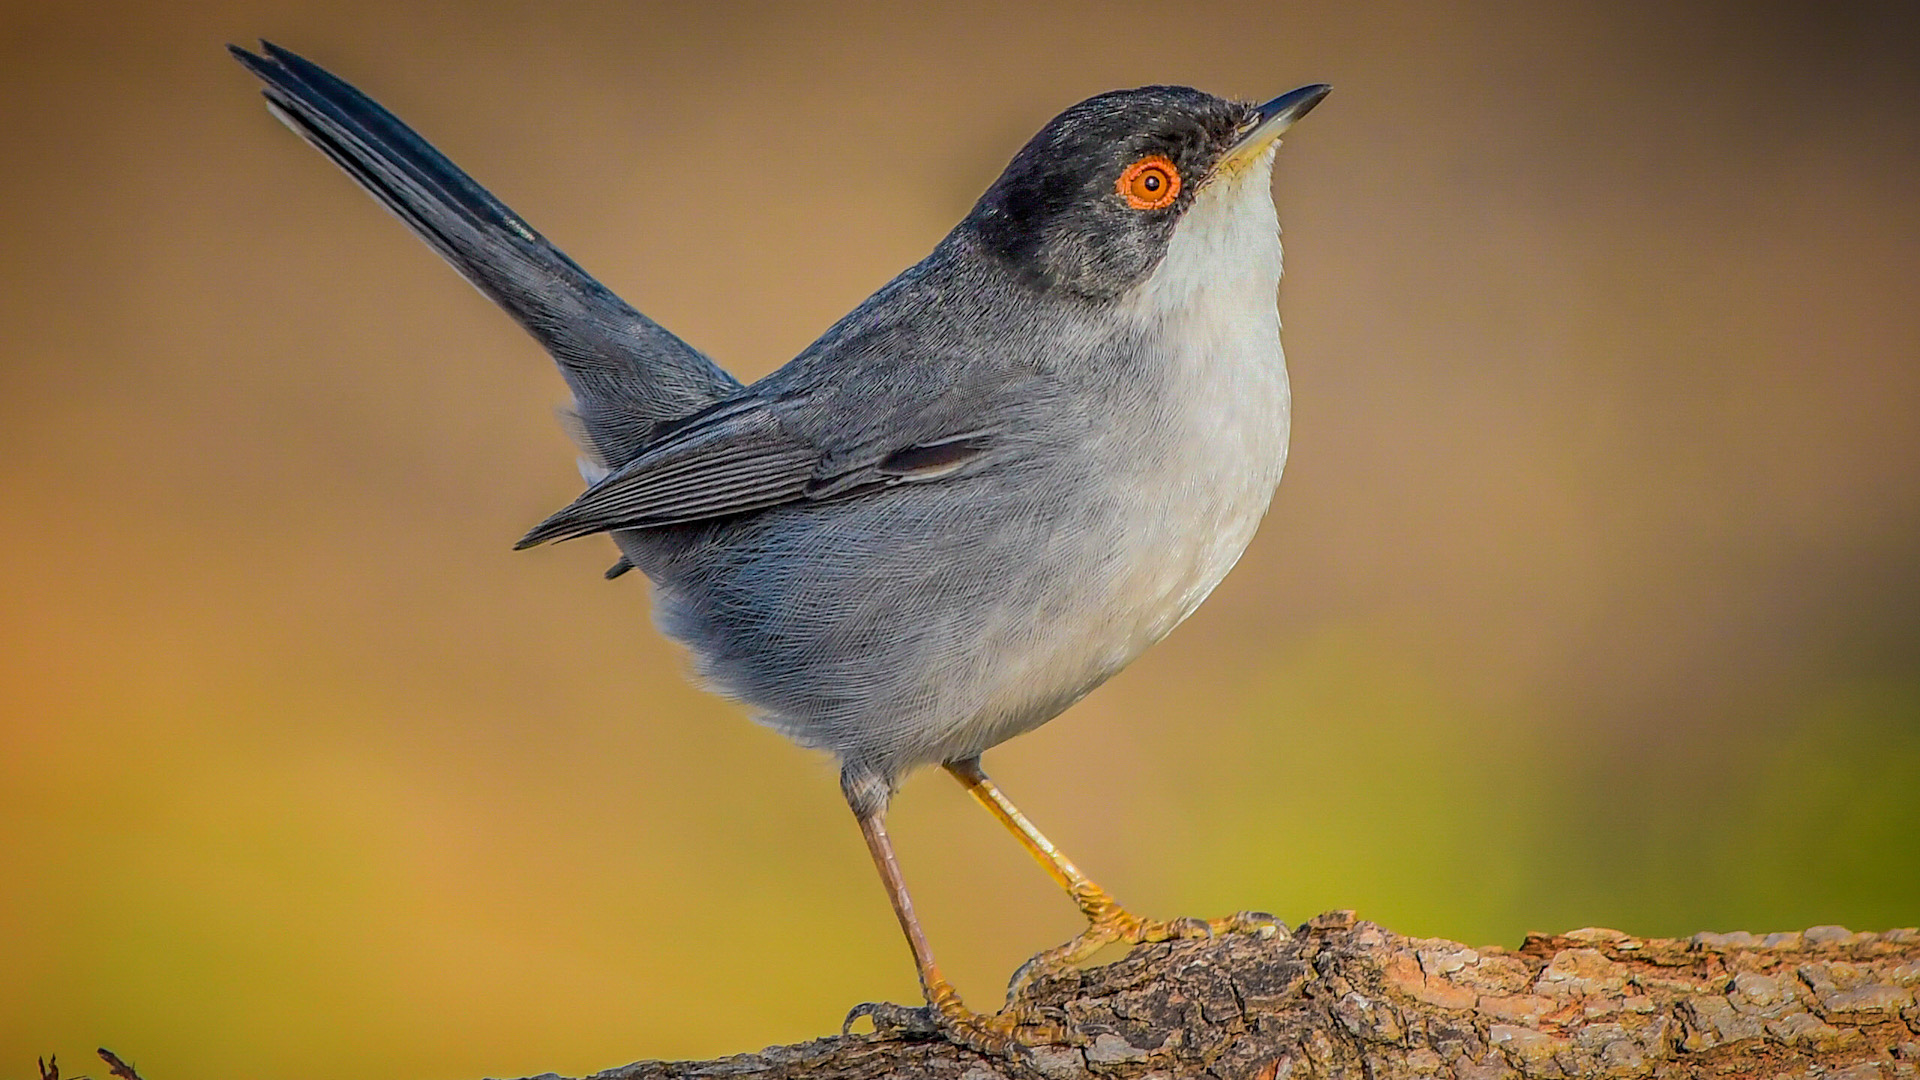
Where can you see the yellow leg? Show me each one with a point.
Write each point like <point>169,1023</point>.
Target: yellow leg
<point>1107,921</point>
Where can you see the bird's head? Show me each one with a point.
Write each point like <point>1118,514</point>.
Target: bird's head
<point>1091,204</point>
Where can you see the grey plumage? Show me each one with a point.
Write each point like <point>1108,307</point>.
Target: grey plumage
<point>970,501</point>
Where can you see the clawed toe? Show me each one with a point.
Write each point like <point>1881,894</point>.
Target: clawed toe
<point>894,1021</point>
<point>1253,923</point>
<point>1022,1024</point>
<point>1170,930</point>
<point>1003,1034</point>
<point>1115,925</point>
<point>1257,923</point>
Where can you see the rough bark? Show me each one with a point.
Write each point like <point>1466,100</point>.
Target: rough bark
<point>1343,998</point>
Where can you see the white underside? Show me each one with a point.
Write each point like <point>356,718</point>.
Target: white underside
<point>1196,478</point>
<point>1213,299</point>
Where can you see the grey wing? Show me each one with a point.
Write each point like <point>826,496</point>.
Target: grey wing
<point>627,373</point>
<point>745,455</point>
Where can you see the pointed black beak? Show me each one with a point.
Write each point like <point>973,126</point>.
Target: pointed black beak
<point>1272,118</point>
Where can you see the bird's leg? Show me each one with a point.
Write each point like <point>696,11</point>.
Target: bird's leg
<point>1002,1033</point>
<point>1107,921</point>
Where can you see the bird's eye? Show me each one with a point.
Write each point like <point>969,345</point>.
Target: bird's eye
<point>1152,183</point>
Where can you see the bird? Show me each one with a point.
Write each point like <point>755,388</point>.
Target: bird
<point>971,501</point>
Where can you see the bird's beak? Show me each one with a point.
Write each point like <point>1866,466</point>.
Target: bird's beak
<point>1268,121</point>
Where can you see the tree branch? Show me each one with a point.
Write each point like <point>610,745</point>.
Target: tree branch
<point>1341,998</point>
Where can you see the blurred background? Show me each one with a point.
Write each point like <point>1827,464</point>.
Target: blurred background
<point>1590,597</point>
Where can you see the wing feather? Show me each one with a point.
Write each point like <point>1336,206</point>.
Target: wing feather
<point>741,461</point>
<point>739,458</point>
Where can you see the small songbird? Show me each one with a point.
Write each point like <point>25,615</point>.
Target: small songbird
<point>970,502</point>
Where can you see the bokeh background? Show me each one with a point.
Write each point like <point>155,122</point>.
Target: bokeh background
<point>1591,595</point>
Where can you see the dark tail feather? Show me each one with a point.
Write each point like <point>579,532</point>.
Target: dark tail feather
<point>628,374</point>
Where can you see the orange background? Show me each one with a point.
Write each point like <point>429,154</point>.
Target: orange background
<point>1590,596</point>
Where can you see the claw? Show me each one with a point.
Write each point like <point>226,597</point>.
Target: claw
<point>1110,923</point>
<point>1257,923</point>
<point>1019,1026</point>
<point>1004,1034</point>
<point>893,1021</point>
<point>1022,1025</point>
<point>1176,929</point>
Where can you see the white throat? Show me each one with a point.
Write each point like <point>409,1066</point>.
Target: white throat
<point>1210,311</point>
<point>1226,248</point>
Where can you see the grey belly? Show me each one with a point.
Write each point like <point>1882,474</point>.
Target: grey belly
<point>905,627</point>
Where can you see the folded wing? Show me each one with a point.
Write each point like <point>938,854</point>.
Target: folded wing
<point>742,456</point>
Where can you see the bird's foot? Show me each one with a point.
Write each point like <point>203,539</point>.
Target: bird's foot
<point>1003,1034</point>
<point>1252,923</point>
<point>1110,924</point>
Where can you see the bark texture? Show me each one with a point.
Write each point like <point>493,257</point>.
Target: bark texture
<point>1345,998</point>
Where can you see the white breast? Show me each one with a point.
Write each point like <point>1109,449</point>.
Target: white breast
<point>1215,452</point>
<point>1190,478</point>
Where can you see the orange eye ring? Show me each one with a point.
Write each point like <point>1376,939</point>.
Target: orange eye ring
<point>1152,183</point>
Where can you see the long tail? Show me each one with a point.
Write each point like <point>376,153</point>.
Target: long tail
<point>628,374</point>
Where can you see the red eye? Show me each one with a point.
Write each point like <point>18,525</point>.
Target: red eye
<point>1152,183</point>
